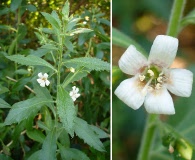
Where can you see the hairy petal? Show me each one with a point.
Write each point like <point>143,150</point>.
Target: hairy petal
<point>180,82</point>
<point>163,51</point>
<point>130,93</point>
<point>132,61</point>
<point>159,102</point>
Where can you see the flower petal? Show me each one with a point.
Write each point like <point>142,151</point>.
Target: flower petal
<point>132,61</point>
<point>163,51</point>
<point>180,82</point>
<point>42,84</point>
<point>45,75</point>
<point>47,82</point>
<point>159,102</point>
<point>40,75</point>
<point>40,81</point>
<point>130,93</point>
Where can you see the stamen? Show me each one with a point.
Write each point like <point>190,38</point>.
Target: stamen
<point>144,90</point>
<point>158,86</point>
<point>159,79</point>
<point>150,72</point>
<point>142,77</point>
<point>150,88</point>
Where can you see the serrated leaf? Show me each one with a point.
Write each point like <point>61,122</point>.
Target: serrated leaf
<point>72,23</point>
<point>78,31</point>
<point>71,77</point>
<point>88,62</point>
<point>83,130</point>
<point>24,109</point>
<point>4,104</point>
<point>65,10</point>
<point>71,153</point>
<point>69,45</point>
<point>36,135</point>
<point>99,132</point>
<point>56,17</point>
<point>51,20</point>
<point>48,151</point>
<point>120,39</point>
<point>66,110</point>
<point>30,60</point>
<point>15,4</point>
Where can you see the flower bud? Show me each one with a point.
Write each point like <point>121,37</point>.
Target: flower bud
<point>184,148</point>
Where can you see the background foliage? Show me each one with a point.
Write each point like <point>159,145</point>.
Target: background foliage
<point>138,24</point>
<point>24,30</point>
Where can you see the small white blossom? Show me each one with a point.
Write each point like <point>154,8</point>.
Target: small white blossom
<point>43,79</point>
<point>87,18</point>
<point>74,93</point>
<point>84,22</point>
<point>153,77</point>
<point>72,69</point>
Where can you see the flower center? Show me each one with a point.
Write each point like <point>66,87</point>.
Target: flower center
<point>44,79</point>
<point>153,78</point>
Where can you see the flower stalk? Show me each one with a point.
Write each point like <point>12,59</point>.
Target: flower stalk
<point>176,14</point>
<point>173,27</point>
<point>147,137</point>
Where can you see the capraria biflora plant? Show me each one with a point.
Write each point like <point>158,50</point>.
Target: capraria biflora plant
<point>153,77</point>
<point>55,72</point>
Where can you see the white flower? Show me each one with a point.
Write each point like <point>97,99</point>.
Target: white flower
<point>74,93</point>
<point>153,77</point>
<point>43,79</point>
<point>84,22</point>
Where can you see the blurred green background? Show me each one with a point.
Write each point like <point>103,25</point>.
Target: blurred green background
<point>142,21</point>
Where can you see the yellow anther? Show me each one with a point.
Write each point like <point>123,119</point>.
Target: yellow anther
<point>158,86</point>
<point>159,79</point>
<point>150,88</point>
<point>141,77</point>
<point>151,72</point>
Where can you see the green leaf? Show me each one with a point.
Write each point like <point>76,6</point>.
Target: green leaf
<point>66,110</point>
<point>3,89</point>
<point>24,109</point>
<point>30,60</point>
<point>72,23</point>
<point>21,71</point>
<point>4,11</point>
<point>189,19</point>
<point>48,151</point>
<point>51,20</point>
<point>31,8</point>
<point>5,157</point>
<point>120,39</point>
<point>99,132</point>
<point>71,77</point>
<point>71,153</point>
<point>6,27</point>
<point>69,45</point>
<point>36,135</point>
<point>84,131</point>
<point>65,10</point>
<point>78,31</point>
<point>49,46</point>
<point>4,104</point>
<point>15,4</point>
<point>35,155</point>
<point>56,17</point>
<point>88,62</point>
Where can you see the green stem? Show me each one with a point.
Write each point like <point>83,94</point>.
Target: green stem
<point>176,14</point>
<point>147,137</point>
